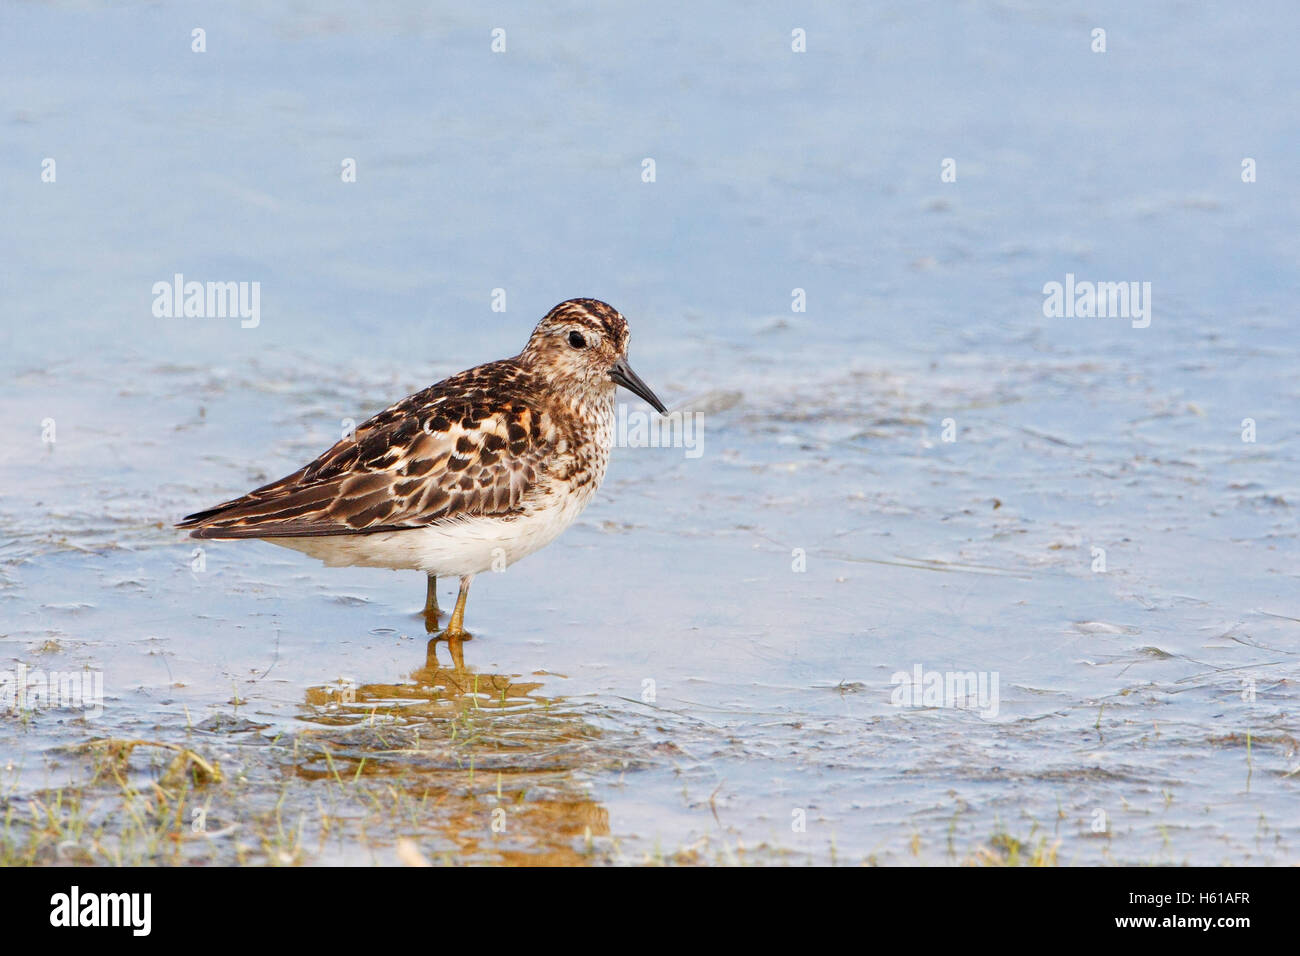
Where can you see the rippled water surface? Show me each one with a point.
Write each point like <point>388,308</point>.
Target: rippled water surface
<point>920,471</point>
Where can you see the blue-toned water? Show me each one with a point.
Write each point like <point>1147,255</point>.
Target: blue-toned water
<point>725,628</point>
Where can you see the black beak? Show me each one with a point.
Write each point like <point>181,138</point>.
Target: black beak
<point>622,374</point>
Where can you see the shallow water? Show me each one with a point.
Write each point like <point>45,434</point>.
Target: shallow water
<point>663,682</point>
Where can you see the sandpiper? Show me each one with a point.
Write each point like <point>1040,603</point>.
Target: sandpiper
<point>472,473</point>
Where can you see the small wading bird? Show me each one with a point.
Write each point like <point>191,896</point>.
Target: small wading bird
<point>487,465</point>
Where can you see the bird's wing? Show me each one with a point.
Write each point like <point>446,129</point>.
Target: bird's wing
<point>439,455</point>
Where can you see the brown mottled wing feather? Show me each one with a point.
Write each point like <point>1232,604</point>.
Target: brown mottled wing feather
<point>441,454</point>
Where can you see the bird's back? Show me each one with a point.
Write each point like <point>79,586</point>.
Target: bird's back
<point>492,441</point>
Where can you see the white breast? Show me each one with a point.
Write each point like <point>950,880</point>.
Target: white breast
<point>460,547</point>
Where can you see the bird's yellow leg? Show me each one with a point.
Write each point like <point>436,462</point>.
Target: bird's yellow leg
<point>431,609</point>
<point>456,627</point>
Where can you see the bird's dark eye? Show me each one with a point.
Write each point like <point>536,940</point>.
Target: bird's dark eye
<point>577,341</point>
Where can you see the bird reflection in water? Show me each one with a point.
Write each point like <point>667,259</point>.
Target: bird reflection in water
<point>484,767</point>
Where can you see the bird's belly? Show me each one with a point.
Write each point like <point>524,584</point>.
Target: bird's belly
<point>458,547</point>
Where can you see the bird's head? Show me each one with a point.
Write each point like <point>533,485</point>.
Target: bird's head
<point>584,341</point>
